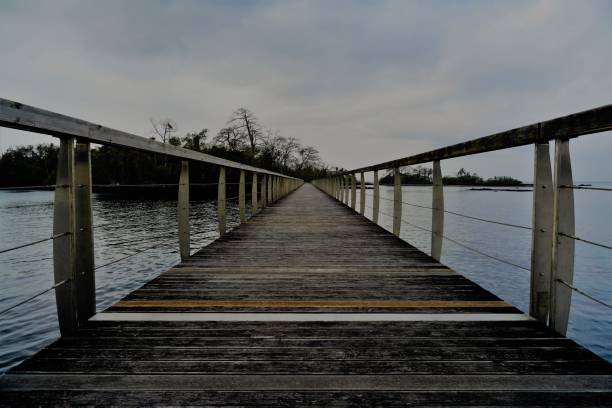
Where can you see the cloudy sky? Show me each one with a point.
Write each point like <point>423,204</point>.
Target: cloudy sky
<point>362,81</point>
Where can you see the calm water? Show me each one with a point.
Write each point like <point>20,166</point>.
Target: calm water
<point>124,227</point>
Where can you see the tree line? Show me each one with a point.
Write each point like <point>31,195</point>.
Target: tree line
<point>424,175</point>
<point>243,139</point>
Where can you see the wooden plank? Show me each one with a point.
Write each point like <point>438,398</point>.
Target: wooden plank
<point>309,303</point>
<point>568,383</point>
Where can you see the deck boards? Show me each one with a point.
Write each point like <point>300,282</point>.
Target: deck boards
<point>310,255</point>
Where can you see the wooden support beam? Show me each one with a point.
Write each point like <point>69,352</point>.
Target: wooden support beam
<point>254,195</point>
<point>264,191</point>
<point>64,247</point>
<point>541,234</point>
<point>347,189</point>
<point>183,211</point>
<point>376,198</point>
<point>221,201</point>
<point>362,195</point>
<point>437,214</point>
<point>563,246</point>
<point>353,191</point>
<point>84,281</point>
<point>397,201</point>
<point>242,197</point>
<point>270,182</point>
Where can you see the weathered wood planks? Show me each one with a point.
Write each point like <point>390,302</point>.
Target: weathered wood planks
<point>310,255</point>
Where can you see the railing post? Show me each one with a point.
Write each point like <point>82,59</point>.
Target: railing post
<point>541,234</point>
<point>64,266</point>
<point>437,213</point>
<point>183,211</point>
<point>270,182</point>
<point>353,191</point>
<point>264,190</point>
<point>362,195</point>
<point>242,197</point>
<point>85,280</point>
<point>375,198</point>
<point>254,195</point>
<point>397,201</point>
<point>221,201</point>
<point>563,246</point>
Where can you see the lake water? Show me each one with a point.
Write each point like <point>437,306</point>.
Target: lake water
<point>128,226</point>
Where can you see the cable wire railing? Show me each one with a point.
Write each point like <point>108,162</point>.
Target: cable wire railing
<point>552,228</point>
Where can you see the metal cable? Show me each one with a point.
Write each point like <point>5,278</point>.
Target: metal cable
<point>131,255</point>
<point>34,297</point>
<point>584,240</point>
<point>587,188</point>
<point>462,245</point>
<point>34,243</point>
<point>583,293</point>
<point>463,215</point>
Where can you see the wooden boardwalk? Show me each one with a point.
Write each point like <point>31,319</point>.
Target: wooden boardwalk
<point>311,304</point>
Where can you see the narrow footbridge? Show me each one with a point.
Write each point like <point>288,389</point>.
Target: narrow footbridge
<point>307,303</point>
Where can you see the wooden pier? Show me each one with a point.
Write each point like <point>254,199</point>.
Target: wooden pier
<point>311,304</point>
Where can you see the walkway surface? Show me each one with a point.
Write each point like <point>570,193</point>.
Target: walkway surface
<point>309,303</point>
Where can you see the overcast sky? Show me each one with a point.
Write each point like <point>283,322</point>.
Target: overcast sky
<point>362,81</point>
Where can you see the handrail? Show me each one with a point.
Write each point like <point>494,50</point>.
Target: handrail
<point>565,127</point>
<point>553,219</point>
<point>25,117</point>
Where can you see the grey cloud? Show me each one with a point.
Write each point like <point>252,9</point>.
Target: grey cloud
<point>362,81</point>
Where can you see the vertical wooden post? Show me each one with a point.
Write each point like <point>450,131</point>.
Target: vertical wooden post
<point>397,201</point>
<point>242,197</point>
<point>254,195</point>
<point>437,214</point>
<point>270,183</point>
<point>376,199</point>
<point>264,190</point>
<point>362,195</point>
<point>353,191</point>
<point>84,282</point>
<point>221,201</point>
<point>341,192</point>
<point>63,247</point>
<point>563,247</point>
<point>541,234</point>
<point>183,211</point>
<point>346,189</point>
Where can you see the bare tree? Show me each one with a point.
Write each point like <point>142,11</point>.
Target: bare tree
<point>163,128</point>
<point>287,147</point>
<point>308,157</point>
<point>231,137</point>
<point>246,122</point>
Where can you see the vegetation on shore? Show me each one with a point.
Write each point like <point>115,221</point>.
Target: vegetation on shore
<point>423,175</point>
<point>243,140</point>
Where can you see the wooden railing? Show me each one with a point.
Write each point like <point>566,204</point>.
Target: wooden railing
<point>553,229</point>
<point>73,244</point>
